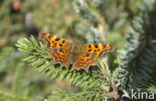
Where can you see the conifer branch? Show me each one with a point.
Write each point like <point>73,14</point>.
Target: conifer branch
<point>138,67</point>
<point>38,57</point>
<point>97,80</point>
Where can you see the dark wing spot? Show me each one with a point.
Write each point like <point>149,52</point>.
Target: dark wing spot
<point>61,50</point>
<point>63,41</point>
<point>55,43</point>
<point>98,49</point>
<point>52,41</point>
<point>94,50</point>
<point>87,55</point>
<point>89,46</point>
<point>57,39</point>
<point>96,45</point>
<point>89,50</point>
<point>60,44</point>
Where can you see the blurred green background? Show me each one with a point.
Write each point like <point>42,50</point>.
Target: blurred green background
<point>65,18</point>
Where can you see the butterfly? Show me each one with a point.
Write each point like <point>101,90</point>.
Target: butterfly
<point>61,52</point>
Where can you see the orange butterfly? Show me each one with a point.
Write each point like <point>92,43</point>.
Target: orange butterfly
<point>61,52</point>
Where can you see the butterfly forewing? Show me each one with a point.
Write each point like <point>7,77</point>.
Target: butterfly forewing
<point>97,49</point>
<point>55,41</point>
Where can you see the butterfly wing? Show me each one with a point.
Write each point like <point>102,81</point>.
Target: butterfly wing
<point>54,41</point>
<point>59,47</point>
<point>84,60</point>
<point>97,49</point>
<point>89,53</point>
<point>61,55</point>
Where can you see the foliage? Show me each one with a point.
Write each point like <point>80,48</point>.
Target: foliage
<point>137,68</point>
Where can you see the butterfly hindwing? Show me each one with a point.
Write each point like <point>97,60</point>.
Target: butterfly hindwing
<point>61,55</point>
<point>84,60</point>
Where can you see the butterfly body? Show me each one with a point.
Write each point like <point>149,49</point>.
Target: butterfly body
<point>61,52</point>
